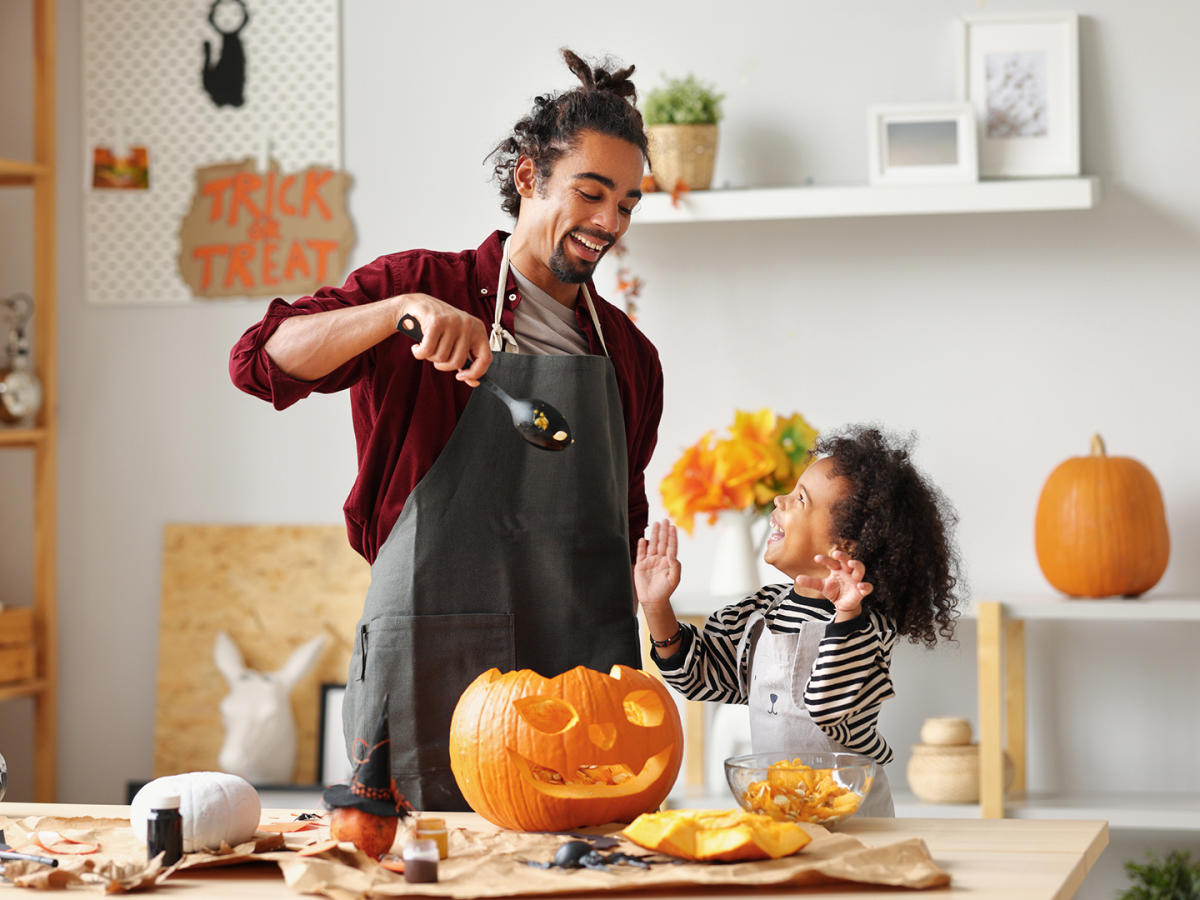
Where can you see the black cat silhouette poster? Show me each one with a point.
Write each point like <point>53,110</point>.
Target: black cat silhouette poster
<point>224,75</point>
<point>201,83</point>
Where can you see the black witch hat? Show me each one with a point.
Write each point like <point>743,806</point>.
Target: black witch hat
<point>372,788</point>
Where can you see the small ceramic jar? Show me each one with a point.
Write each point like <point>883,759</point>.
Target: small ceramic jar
<point>946,731</point>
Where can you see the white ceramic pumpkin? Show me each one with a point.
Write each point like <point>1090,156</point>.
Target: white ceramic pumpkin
<point>215,807</point>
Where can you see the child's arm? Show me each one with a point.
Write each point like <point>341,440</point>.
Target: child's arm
<point>701,665</point>
<point>655,577</point>
<point>850,680</point>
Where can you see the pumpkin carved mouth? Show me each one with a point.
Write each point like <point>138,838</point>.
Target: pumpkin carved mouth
<point>593,782</point>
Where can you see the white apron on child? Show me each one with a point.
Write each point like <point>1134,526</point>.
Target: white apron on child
<point>780,665</point>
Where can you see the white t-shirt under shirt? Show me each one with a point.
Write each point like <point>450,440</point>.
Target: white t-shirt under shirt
<point>543,325</point>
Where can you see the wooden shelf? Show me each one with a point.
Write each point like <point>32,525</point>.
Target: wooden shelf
<point>21,437</point>
<point>39,175</point>
<point>1001,661</point>
<point>16,172</point>
<point>21,689</point>
<point>751,204</point>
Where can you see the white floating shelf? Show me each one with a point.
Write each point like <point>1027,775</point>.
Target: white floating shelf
<point>1158,812</point>
<point>749,204</point>
<point>1153,607</point>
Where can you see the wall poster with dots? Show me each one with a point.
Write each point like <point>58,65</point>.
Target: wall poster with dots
<point>173,90</point>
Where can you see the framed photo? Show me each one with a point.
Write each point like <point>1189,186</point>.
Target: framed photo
<point>333,765</point>
<point>922,143</point>
<point>1021,75</point>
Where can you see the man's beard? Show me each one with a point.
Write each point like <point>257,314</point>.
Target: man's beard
<point>569,271</point>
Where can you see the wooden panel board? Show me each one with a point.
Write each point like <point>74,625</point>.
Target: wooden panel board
<point>272,587</point>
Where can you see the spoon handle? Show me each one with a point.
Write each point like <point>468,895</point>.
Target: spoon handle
<point>411,327</point>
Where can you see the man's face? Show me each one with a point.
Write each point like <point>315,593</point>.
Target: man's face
<point>571,218</point>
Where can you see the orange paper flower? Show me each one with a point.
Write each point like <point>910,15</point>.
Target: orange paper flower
<point>763,456</point>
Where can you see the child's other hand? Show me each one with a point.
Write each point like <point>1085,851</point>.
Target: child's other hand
<point>843,586</point>
<point>656,571</point>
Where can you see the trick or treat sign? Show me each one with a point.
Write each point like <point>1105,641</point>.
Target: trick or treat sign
<point>250,233</point>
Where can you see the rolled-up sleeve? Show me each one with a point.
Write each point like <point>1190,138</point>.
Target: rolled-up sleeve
<point>251,367</point>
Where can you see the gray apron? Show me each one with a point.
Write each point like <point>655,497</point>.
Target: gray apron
<point>504,555</point>
<point>780,665</point>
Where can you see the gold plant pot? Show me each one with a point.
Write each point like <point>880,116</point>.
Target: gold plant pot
<point>684,153</point>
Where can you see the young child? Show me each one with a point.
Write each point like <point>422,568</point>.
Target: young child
<point>866,540</point>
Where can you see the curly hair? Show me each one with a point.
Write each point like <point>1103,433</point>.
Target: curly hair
<point>605,103</point>
<point>901,526</point>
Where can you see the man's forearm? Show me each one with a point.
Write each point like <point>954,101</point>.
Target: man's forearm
<point>311,346</point>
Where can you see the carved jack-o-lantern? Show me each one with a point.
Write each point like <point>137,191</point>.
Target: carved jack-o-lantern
<point>549,754</point>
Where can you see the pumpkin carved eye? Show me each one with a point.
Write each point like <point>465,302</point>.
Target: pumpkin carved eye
<point>644,708</point>
<point>548,715</point>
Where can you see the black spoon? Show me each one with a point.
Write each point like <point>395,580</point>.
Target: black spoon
<point>536,420</point>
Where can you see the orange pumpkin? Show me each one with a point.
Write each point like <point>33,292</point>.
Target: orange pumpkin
<point>550,754</point>
<point>1101,530</point>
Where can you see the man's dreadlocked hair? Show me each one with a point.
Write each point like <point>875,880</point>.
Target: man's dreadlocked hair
<point>900,524</point>
<point>605,102</point>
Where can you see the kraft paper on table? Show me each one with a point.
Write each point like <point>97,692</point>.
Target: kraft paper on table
<point>481,864</point>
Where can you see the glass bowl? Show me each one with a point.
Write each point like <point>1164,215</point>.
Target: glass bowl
<point>821,787</point>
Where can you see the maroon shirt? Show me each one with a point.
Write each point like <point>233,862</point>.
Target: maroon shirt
<point>404,409</point>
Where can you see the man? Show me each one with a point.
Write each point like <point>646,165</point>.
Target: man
<point>484,550</point>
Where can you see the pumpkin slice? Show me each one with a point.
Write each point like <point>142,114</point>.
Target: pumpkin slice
<point>716,835</point>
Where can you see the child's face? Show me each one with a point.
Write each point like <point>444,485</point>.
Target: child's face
<point>802,524</point>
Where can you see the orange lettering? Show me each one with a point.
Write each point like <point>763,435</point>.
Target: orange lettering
<point>312,187</point>
<point>286,208</point>
<point>213,190</point>
<point>268,264</point>
<point>244,184</point>
<point>206,254</point>
<point>270,193</point>
<point>241,254</point>
<point>323,248</point>
<point>297,262</point>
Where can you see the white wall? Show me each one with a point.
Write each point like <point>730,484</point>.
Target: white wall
<point>1004,341</point>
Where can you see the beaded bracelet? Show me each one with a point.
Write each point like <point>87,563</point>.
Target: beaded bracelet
<point>669,641</point>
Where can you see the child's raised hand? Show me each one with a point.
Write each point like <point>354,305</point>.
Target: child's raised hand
<point>656,571</point>
<point>843,586</point>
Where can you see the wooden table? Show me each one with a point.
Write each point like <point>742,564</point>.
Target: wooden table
<point>998,859</point>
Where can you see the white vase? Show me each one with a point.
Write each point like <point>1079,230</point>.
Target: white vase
<point>735,559</point>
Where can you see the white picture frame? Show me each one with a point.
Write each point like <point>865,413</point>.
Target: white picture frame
<point>333,765</point>
<point>1021,75</point>
<point>921,143</point>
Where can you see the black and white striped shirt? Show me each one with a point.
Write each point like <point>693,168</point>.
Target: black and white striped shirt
<point>849,680</point>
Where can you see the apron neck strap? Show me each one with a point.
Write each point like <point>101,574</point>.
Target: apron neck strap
<point>501,338</point>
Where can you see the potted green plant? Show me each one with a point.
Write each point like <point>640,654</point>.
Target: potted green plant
<point>681,122</point>
<point>1174,878</point>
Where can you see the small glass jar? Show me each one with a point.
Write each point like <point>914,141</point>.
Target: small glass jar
<point>431,829</point>
<point>164,829</point>
<point>421,861</point>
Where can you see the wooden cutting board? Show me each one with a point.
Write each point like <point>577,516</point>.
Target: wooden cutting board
<point>271,587</point>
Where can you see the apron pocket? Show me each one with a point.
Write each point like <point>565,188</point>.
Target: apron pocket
<point>422,664</point>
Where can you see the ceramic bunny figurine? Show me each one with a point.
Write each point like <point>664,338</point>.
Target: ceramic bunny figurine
<point>260,731</point>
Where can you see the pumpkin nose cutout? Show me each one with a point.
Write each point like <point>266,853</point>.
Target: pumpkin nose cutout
<point>644,708</point>
<point>603,735</point>
<point>548,715</point>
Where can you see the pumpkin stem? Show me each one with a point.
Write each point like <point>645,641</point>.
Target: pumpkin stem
<point>1098,446</point>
